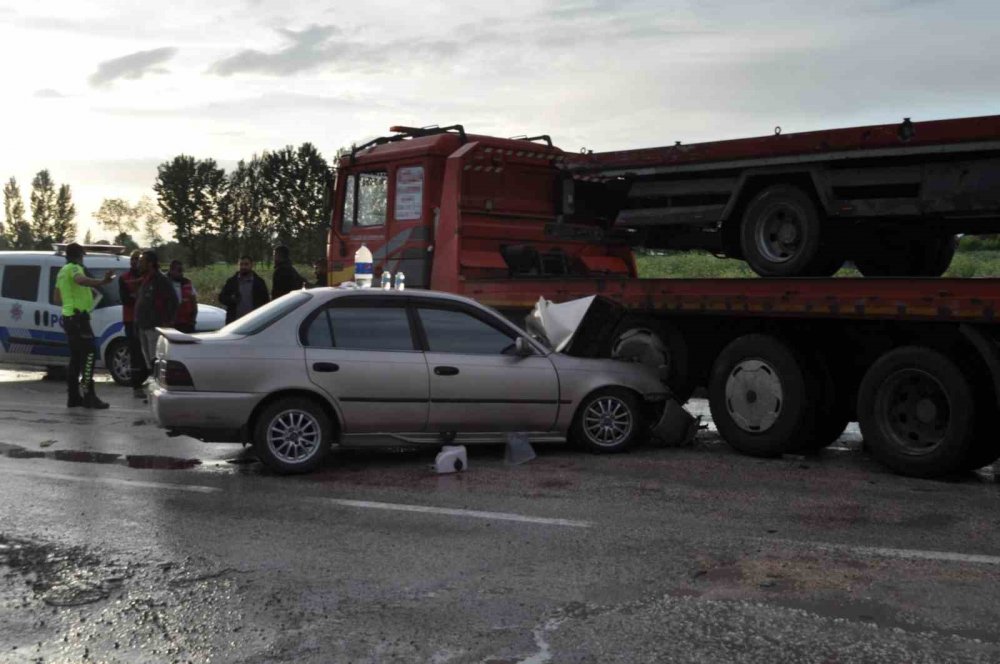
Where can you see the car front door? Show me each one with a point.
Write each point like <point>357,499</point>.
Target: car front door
<point>477,380</point>
<point>363,354</point>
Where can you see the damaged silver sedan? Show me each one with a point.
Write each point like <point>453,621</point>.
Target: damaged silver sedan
<point>328,366</point>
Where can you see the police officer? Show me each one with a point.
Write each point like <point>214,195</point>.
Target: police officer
<point>73,286</point>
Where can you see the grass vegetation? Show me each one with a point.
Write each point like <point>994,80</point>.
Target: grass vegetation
<point>208,280</point>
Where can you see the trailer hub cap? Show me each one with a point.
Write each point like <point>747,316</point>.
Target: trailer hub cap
<point>779,234</point>
<point>913,411</point>
<point>754,396</point>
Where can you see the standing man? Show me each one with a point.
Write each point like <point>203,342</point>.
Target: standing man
<point>286,277</point>
<point>156,305</point>
<point>128,288</point>
<point>319,271</point>
<point>243,292</point>
<point>73,287</point>
<point>187,298</point>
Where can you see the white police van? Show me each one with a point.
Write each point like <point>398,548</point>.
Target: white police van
<point>30,330</point>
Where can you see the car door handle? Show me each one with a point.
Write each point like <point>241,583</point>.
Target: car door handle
<point>445,371</point>
<point>325,367</point>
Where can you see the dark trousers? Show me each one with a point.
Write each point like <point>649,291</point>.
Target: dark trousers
<point>82,352</point>
<point>136,362</point>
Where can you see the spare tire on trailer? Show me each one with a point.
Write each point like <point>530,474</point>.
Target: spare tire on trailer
<point>917,412</point>
<point>758,396</point>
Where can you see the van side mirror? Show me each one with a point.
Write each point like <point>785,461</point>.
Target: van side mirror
<point>522,348</point>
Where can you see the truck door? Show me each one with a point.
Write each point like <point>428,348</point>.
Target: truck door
<point>362,220</point>
<point>409,228</point>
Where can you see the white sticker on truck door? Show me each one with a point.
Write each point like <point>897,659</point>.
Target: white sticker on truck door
<point>409,193</point>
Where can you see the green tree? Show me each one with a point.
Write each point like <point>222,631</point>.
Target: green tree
<point>63,226</point>
<point>16,230</point>
<point>117,215</point>
<point>123,239</point>
<point>245,227</point>
<point>296,182</point>
<point>151,221</point>
<point>88,237</point>
<point>190,193</point>
<point>43,209</point>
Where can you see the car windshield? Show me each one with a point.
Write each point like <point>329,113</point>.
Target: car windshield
<point>259,319</point>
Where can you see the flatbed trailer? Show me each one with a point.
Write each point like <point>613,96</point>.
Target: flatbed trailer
<point>891,198</point>
<point>787,362</point>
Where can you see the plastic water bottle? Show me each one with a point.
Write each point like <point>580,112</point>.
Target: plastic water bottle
<point>363,267</point>
<point>386,280</point>
<point>400,281</point>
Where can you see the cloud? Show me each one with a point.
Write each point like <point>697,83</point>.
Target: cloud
<point>49,93</point>
<point>132,66</point>
<point>317,46</point>
<point>308,49</point>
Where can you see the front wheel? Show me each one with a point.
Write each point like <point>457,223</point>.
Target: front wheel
<point>118,361</point>
<point>608,421</point>
<point>292,435</point>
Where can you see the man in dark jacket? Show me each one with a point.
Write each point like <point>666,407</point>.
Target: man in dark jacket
<point>286,277</point>
<point>155,304</point>
<point>128,288</point>
<point>243,292</point>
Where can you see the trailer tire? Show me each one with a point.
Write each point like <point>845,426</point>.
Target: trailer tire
<point>920,257</point>
<point>780,233</point>
<point>758,396</point>
<point>917,412</point>
<point>656,344</point>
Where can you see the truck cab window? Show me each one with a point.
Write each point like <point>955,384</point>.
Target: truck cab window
<point>348,220</point>
<point>372,194</point>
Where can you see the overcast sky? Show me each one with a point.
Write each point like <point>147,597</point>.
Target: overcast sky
<point>101,91</point>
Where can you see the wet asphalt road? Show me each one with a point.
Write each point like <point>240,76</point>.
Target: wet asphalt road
<point>119,544</point>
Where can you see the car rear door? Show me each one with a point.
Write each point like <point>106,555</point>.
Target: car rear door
<point>29,326</point>
<point>477,381</point>
<point>362,352</point>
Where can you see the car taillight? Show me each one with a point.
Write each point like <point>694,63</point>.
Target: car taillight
<point>175,374</point>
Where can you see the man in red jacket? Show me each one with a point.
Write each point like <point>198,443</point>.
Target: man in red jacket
<point>187,298</point>
<point>128,287</point>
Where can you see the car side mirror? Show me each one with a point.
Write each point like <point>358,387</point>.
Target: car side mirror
<point>522,348</point>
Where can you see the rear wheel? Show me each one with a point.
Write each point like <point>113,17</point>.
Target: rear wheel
<point>758,396</point>
<point>917,412</point>
<point>608,421</point>
<point>921,256</point>
<point>118,362</point>
<point>292,435</point>
<point>830,409</point>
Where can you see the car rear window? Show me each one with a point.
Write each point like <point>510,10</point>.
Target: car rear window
<point>260,319</point>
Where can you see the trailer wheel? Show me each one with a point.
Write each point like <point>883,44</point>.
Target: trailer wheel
<point>780,233</point>
<point>758,396</point>
<point>916,411</point>
<point>918,257</point>
<point>659,345</point>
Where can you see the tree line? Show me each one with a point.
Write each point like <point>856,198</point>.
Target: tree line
<point>52,214</point>
<point>280,197</point>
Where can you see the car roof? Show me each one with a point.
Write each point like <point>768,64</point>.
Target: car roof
<point>410,292</point>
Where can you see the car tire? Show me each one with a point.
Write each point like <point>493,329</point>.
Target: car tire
<point>608,421</point>
<point>118,362</point>
<point>292,435</point>
<point>758,396</point>
<point>780,233</point>
<point>917,412</point>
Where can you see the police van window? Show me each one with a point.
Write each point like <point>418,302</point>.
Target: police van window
<point>348,220</point>
<point>20,282</point>
<point>373,190</point>
<point>371,328</point>
<point>110,295</point>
